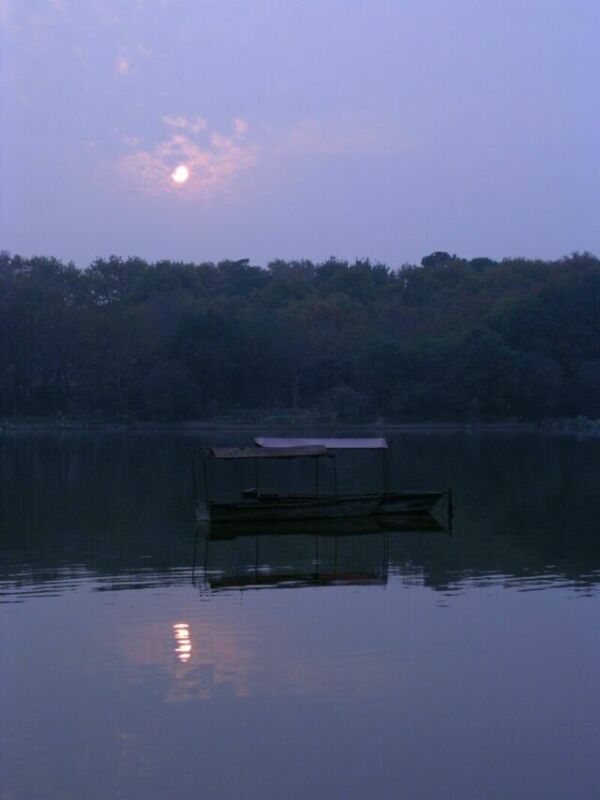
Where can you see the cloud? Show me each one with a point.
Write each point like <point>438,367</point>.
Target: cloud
<point>59,6</point>
<point>213,161</point>
<point>5,13</point>
<point>132,141</point>
<point>192,125</point>
<point>29,14</point>
<point>122,66</point>
<point>342,135</point>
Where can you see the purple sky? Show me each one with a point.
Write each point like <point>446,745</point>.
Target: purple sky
<point>382,129</point>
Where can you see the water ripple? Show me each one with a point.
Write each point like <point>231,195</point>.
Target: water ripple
<point>19,585</point>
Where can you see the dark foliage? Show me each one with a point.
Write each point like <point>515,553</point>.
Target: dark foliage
<point>450,339</point>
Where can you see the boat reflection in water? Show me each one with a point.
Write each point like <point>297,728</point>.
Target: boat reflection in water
<point>295,554</point>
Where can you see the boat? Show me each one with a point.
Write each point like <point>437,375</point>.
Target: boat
<point>259,505</point>
<point>289,508</point>
<point>412,502</point>
<point>387,503</point>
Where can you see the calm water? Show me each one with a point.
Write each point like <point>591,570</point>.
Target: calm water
<point>141,660</point>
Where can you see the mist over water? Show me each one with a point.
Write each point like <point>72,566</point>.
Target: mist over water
<point>142,658</point>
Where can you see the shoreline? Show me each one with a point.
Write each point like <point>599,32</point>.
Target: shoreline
<point>29,425</point>
<point>65,425</point>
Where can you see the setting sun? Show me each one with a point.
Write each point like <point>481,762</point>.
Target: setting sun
<point>180,174</point>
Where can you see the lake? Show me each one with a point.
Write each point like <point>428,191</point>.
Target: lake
<point>141,659</point>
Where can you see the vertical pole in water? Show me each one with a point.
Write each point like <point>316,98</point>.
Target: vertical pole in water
<point>335,476</point>
<point>384,470</point>
<point>386,554</point>
<point>205,477</point>
<point>194,480</point>
<point>335,545</point>
<point>256,474</point>
<point>316,474</point>
<point>194,557</point>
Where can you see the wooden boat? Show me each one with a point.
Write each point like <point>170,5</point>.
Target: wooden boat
<point>257,506</point>
<point>289,507</point>
<point>408,502</point>
<point>261,505</point>
<point>392,503</point>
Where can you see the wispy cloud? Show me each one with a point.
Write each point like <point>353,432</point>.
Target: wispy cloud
<point>343,135</point>
<point>212,158</point>
<point>183,123</point>
<point>5,12</point>
<point>20,13</point>
<point>122,66</point>
<point>60,6</point>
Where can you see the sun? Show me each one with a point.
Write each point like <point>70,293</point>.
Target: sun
<point>180,174</point>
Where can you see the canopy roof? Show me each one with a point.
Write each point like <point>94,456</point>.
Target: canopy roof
<point>233,453</point>
<point>331,444</point>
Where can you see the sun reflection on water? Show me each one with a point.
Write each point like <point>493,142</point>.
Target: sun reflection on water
<point>183,649</point>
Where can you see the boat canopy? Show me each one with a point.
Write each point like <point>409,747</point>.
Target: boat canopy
<point>234,453</point>
<point>330,444</point>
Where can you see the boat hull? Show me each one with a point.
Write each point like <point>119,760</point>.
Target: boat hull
<point>395,503</point>
<point>273,507</point>
<point>259,510</point>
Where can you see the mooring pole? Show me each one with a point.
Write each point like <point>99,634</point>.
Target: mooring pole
<point>194,480</point>
<point>335,549</point>
<point>386,554</point>
<point>384,470</point>
<point>316,474</point>
<point>335,488</point>
<point>194,557</point>
<point>205,477</point>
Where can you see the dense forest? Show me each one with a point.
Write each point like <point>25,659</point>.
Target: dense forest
<point>450,339</point>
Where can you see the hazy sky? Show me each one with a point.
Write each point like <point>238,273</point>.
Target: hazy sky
<point>382,128</point>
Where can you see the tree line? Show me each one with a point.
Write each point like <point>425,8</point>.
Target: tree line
<point>449,339</point>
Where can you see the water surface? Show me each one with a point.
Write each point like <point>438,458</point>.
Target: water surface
<point>141,659</point>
